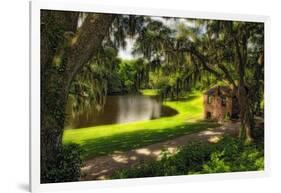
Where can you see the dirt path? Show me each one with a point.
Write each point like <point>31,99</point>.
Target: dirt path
<point>101,167</point>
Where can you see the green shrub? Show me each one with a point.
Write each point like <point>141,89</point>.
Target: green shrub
<point>232,156</point>
<point>217,164</point>
<point>193,156</point>
<point>189,157</point>
<point>228,155</point>
<point>231,147</point>
<point>67,168</point>
<point>251,159</point>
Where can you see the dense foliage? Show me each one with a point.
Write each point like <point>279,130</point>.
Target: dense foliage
<point>133,75</point>
<point>67,167</point>
<point>229,155</point>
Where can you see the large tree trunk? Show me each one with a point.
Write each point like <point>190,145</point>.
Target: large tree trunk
<point>53,95</point>
<point>61,60</point>
<point>246,115</point>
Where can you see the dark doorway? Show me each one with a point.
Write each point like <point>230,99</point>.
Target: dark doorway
<point>209,115</point>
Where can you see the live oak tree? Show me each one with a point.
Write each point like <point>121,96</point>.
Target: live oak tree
<point>64,50</point>
<point>72,44</point>
<point>230,51</point>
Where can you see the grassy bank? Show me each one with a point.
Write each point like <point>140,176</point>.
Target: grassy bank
<point>102,140</point>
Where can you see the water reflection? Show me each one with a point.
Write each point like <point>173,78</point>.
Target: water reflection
<point>120,109</point>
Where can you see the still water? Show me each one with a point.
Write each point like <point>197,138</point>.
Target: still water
<point>120,109</point>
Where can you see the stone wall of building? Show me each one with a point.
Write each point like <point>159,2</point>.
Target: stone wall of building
<point>216,109</point>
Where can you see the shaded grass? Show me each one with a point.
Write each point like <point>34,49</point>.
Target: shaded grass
<point>106,139</point>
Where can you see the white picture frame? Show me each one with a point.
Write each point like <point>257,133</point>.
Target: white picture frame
<point>87,6</point>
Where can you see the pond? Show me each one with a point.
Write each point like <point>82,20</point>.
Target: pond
<point>120,109</point>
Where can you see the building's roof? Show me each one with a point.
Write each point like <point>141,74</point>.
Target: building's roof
<point>219,90</point>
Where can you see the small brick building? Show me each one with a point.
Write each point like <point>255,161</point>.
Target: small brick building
<point>220,103</point>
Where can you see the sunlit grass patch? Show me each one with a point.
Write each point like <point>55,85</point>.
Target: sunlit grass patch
<point>149,92</point>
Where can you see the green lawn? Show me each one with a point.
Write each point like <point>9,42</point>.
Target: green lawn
<point>102,140</point>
